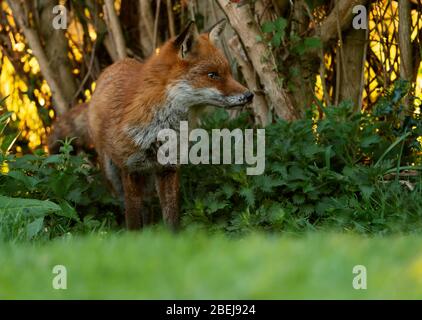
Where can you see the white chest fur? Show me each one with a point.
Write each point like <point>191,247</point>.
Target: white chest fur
<point>180,98</point>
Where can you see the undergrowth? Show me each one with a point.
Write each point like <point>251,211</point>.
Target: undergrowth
<point>348,171</point>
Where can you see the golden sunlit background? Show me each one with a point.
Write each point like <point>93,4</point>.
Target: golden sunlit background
<point>382,64</point>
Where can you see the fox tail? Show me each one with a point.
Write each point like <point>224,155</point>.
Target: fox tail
<point>73,124</point>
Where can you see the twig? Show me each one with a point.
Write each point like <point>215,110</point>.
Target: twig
<point>362,79</point>
<point>340,37</point>
<point>338,76</point>
<point>171,19</point>
<point>88,73</point>
<point>157,16</point>
<point>115,28</point>
<point>146,18</point>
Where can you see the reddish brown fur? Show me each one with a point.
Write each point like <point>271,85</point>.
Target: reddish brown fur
<point>128,92</point>
<point>73,124</point>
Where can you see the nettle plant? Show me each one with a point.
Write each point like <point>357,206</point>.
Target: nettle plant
<point>45,196</point>
<point>340,172</point>
<point>275,32</point>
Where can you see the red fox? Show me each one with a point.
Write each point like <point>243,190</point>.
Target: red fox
<point>133,101</point>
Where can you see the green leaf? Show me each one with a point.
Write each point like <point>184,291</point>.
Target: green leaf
<point>276,215</point>
<point>227,190</point>
<point>63,183</point>
<point>248,195</point>
<point>54,159</point>
<point>391,147</point>
<point>267,183</point>
<point>368,141</point>
<point>276,40</point>
<point>268,27</point>
<point>298,199</point>
<point>67,211</point>
<point>280,24</point>
<point>299,48</point>
<point>28,181</point>
<point>366,191</point>
<point>2,101</point>
<point>34,227</point>
<point>313,42</point>
<point>29,207</point>
<point>297,173</point>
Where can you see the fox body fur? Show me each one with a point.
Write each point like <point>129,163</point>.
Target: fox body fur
<point>133,101</point>
<point>73,124</point>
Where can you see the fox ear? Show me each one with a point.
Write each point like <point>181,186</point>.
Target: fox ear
<point>216,31</point>
<point>186,40</point>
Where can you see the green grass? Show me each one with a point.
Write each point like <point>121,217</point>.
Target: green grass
<point>158,265</point>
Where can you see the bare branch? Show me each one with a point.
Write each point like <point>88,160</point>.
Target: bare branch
<point>171,19</point>
<point>146,26</point>
<point>405,44</point>
<point>115,28</point>
<point>157,16</point>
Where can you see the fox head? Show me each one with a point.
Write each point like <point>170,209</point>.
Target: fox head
<point>198,72</point>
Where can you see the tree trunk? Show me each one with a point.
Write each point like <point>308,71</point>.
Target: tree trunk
<point>350,79</point>
<point>146,27</point>
<point>405,44</point>
<point>303,68</point>
<point>116,32</point>
<point>259,105</point>
<point>56,48</point>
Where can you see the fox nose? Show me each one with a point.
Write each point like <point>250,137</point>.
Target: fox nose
<point>249,96</point>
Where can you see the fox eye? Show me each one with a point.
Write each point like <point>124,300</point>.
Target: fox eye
<point>214,75</point>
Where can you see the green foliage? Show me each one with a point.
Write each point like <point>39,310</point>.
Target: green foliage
<point>334,173</point>
<point>302,45</point>
<point>47,196</point>
<point>63,191</point>
<point>346,171</point>
<point>275,32</point>
<point>276,29</point>
<point>8,135</point>
<point>398,119</point>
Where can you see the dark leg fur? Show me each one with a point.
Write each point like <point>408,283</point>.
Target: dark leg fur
<point>133,192</point>
<point>167,184</point>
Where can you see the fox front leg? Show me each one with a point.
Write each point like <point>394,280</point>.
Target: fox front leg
<point>133,187</point>
<point>168,189</point>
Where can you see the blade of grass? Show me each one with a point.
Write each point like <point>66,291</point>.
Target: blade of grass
<point>391,147</point>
